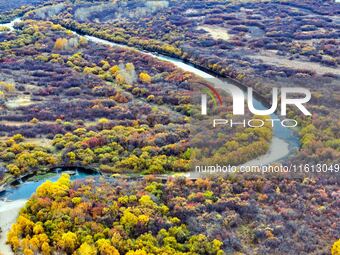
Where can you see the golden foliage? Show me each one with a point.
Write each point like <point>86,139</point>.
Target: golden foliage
<point>336,248</point>
<point>145,78</point>
<point>60,44</point>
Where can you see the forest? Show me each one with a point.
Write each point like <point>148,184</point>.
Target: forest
<point>247,41</point>
<point>220,216</point>
<point>68,101</point>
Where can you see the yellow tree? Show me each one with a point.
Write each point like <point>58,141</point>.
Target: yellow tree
<point>28,252</point>
<point>13,169</point>
<point>114,70</point>
<point>34,121</point>
<point>145,77</point>
<point>68,242</point>
<point>129,67</point>
<point>137,252</point>
<point>105,247</point>
<point>128,220</point>
<point>103,122</point>
<point>86,249</point>
<point>120,79</point>
<point>71,157</point>
<point>18,137</point>
<point>336,248</point>
<point>45,249</point>
<point>60,44</point>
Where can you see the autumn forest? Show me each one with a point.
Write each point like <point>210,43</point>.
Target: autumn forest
<point>110,87</point>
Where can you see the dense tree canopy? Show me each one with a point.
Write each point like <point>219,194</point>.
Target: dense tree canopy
<point>219,216</point>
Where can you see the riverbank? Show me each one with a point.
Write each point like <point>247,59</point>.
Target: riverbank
<point>8,214</point>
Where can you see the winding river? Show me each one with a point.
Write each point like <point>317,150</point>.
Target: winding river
<point>284,142</point>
